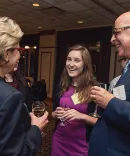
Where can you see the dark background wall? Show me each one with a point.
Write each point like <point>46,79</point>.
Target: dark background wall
<point>101,59</point>
<point>31,40</point>
<point>65,39</point>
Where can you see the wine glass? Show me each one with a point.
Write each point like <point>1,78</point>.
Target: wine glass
<point>38,109</point>
<point>62,119</point>
<point>95,114</point>
<point>62,123</point>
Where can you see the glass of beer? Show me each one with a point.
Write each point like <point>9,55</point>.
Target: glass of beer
<point>38,109</point>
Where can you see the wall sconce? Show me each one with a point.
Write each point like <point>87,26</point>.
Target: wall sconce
<point>27,47</point>
<point>35,47</point>
<point>30,47</point>
<point>95,47</point>
<point>98,44</point>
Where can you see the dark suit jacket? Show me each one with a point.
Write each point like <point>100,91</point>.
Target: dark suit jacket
<point>111,134</point>
<point>17,136</point>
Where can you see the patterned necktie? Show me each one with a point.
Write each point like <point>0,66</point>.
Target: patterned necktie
<point>126,68</point>
<point>123,73</point>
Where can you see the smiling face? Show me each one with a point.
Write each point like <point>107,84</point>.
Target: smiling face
<point>121,36</point>
<point>74,64</point>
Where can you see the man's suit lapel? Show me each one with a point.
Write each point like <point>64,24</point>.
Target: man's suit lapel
<point>123,78</point>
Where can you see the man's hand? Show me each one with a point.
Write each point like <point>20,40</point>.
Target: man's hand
<point>101,96</point>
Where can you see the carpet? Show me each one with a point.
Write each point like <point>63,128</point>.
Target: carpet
<point>47,139</point>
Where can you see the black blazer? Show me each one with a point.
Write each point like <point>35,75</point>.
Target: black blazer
<point>111,134</point>
<point>17,136</point>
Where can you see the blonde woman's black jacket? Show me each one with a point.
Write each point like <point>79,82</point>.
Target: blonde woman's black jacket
<point>17,137</point>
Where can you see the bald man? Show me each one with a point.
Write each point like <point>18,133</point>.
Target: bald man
<point>111,134</point>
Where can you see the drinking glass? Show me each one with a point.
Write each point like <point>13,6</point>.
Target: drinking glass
<point>62,119</point>
<point>38,109</point>
<point>63,122</point>
<point>95,114</point>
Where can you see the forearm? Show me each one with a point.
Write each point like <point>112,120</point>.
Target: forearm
<point>32,142</point>
<point>24,142</point>
<point>88,119</point>
<point>118,112</point>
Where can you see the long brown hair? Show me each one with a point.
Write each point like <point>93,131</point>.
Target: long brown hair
<point>86,80</point>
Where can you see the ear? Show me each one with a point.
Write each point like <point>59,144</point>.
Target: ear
<point>6,56</point>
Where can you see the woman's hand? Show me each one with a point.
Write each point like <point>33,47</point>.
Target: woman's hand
<point>59,112</point>
<point>39,121</point>
<point>73,114</point>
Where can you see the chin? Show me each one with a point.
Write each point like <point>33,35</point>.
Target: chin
<point>72,76</point>
<point>121,54</point>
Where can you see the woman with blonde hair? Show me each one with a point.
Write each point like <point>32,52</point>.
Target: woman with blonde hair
<point>72,107</point>
<point>20,133</point>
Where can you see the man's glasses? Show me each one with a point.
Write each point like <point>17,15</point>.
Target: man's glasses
<point>19,49</point>
<point>118,30</point>
<point>122,59</point>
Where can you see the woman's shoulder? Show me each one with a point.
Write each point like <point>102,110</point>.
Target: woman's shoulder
<point>6,90</point>
<point>5,87</point>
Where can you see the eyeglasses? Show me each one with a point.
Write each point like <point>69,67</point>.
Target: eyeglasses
<point>122,59</point>
<point>19,49</point>
<point>118,30</point>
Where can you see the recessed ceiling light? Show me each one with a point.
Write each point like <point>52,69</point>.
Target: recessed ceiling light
<point>36,4</point>
<point>39,27</point>
<point>80,22</point>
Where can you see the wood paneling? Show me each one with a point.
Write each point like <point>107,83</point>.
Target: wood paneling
<point>45,68</point>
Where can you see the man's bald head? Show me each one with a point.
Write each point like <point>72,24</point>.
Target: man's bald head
<point>123,20</point>
<point>121,35</point>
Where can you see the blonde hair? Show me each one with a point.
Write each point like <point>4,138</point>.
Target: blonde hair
<point>86,80</point>
<point>10,35</point>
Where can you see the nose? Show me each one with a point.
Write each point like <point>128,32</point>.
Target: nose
<point>19,54</point>
<point>19,51</point>
<point>113,38</point>
<point>71,63</point>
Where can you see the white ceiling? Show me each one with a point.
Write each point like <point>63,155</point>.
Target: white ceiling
<point>62,14</point>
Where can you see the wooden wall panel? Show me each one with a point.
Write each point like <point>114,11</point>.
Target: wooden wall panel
<point>45,70</point>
